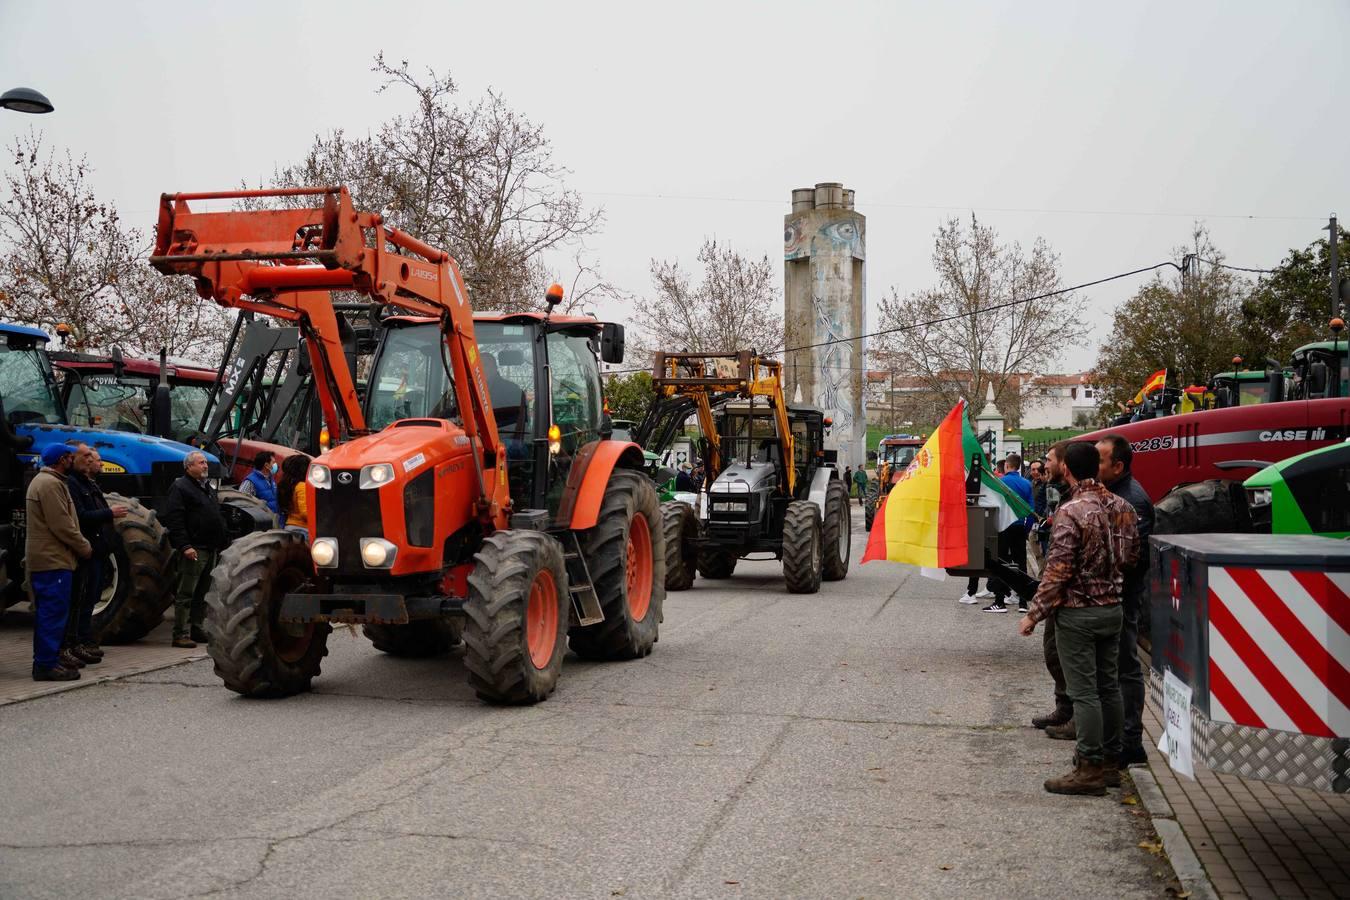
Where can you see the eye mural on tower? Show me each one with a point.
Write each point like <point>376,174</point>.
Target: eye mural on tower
<point>824,251</point>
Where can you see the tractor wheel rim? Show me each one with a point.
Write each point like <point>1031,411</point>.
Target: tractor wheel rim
<point>639,567</point>
<point>845,537</point>
<point>815,553</point>
<point>109,593</point>
<point>541,619</point>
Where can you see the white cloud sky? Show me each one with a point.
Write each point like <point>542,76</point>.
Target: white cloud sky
<point>1108,132</point>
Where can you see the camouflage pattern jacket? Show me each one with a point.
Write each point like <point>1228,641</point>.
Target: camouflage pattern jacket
<point>1095,539</point>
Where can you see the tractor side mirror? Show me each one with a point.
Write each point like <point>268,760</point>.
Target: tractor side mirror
<point>611,342</point>
<point>1317,380</point>
<point>161,409</point>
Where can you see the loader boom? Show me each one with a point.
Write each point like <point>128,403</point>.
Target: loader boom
<point>286,262</point>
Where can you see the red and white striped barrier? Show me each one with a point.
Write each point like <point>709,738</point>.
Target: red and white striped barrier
<point>1279,649</point>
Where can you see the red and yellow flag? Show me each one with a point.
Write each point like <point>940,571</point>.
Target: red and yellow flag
<point>1156,382</point>
<point>922,521</point>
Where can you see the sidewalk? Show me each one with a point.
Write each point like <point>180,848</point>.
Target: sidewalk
<point>16,659</point>
<point>1257,839</point>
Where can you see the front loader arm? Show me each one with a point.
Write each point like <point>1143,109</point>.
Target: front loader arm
<point>285,262</point>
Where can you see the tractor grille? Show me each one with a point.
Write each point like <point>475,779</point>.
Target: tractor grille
<point>348,513</point>
<point>419,509</point>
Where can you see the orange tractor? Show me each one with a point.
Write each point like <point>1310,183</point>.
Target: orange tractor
<point>472,492</point>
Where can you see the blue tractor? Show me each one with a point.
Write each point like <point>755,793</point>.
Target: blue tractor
<point>137,472</point>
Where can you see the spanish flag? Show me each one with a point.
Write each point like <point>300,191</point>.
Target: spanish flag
<point>922,520</point>
<point>1156,382</point>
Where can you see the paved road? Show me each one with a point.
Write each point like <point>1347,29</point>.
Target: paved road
<point>867,741</point>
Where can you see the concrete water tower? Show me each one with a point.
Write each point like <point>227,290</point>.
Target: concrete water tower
<point>824,253</point>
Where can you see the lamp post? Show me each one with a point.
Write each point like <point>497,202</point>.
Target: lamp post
<point>25,100</point>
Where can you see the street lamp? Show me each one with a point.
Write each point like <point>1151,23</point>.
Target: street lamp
<point>25,100</point>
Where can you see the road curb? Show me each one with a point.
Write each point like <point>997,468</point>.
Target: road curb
<point>1186,865</point>
<point>87,681</point>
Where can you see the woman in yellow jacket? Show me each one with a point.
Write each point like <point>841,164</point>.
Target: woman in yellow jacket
<point>291,493</point>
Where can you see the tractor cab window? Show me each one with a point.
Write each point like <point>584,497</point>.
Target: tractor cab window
<point>1251,393</point>
<point>101,401</point>
<point>187,402</point>
<point>26,383</point>
<point>900,456</point>
<point>744,436</point>
<point>409,380</point>
<point>507,356</point>
<point>576,389</point>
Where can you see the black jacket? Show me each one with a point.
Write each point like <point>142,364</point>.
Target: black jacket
<point>92,511</point>
<point>192,516</point>
<point>1127,489</point>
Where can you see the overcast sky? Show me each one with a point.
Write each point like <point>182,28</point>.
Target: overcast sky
<point>1106,132</point>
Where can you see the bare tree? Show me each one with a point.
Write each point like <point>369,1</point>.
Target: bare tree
<point>479,180</point>
<point>735,306</point>
<point>984,338</point>
<point>67,258</point>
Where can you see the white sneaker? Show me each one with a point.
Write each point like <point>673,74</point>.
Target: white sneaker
<point>970,598</point>
<point>985,593</point>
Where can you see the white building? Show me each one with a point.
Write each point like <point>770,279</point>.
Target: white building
<point>1060,401</point>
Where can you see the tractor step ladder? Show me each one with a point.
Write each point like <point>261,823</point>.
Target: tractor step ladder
<point>585,602</point>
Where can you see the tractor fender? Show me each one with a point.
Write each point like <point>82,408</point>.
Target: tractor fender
<point>820,483</point>
<point>588,478</point>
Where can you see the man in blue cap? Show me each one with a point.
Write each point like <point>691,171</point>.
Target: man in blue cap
<point>54,546</point>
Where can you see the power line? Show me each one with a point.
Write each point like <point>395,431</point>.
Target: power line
<point>1216,263</point>
<point>994,308</point>
<point>693,198</point>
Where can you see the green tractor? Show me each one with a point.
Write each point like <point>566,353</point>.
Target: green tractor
<point>1304,494</point>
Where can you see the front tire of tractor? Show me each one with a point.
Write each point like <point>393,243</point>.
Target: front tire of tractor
<point>416,640</point>
<point>142,583</point>
<point>626,555</point>
<point>515,635</point>
<point>716,564</point>
<point>869,513</point>
<point>838,533</point>
<point>802,552</point>
<point>255,654</point>
<point>681,528</point>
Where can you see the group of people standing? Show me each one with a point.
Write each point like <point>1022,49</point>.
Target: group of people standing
<point>1092,587</point>
<point>70,540</point>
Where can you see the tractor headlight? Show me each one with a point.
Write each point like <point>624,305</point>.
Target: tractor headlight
<point>1258,497</point>
<point>320,477</point>
<point>377,553</point>
<point>324,553</point>
<point>377,475</point>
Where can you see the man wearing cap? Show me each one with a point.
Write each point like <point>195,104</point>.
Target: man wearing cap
<point>54,546</point>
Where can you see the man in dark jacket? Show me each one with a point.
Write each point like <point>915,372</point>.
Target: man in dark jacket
<point>52,547</point>
<point>95,517</point>
<point>197,530</point>
<point>1114,472</point>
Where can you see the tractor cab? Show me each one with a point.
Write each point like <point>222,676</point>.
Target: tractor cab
<point>1321,370</point>
<point>118,394</point>
<point>543,430</point>
<point>1247,388</point>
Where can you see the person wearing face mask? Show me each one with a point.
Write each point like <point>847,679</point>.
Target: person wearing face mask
<point>259,481</point>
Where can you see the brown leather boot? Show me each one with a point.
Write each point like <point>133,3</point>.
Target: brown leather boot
<point>1058,717</point>
<point>1086,778</point>
<point>1066,732</point>
<point>184,642</point>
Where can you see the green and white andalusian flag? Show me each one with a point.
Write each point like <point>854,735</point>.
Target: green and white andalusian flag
<point>993,492</point>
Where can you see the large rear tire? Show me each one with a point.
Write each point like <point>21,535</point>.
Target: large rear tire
<point>838,539</point>
<point>140,580</point>
<point>415,640</point>
<point>802,552</point>
<point>626,555</point>
<point>680,526</point>
<point>1205,507</point>
<point>255,654</point>
<point>244,513</point>
<point>515,635</point>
